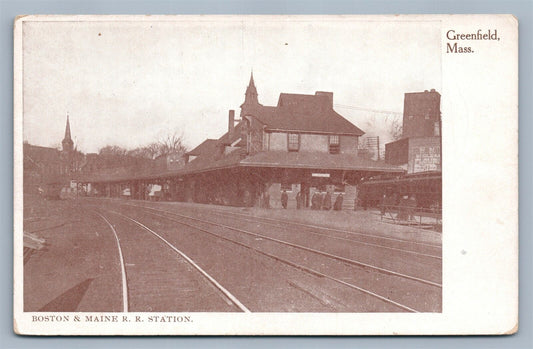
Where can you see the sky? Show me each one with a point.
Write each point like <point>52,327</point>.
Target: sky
<point>130,83</point>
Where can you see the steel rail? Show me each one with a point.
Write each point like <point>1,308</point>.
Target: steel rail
<point>305,248</point>
<point>295,265</point>
<point>215,283</point>
<point>336,237</point>
<point>278,222</point>
<point>122,266</point>
<point>292,264</point>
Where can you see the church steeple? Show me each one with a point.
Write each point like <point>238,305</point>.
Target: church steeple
<point>251,91</point>
<point>67,142</point>
<point>250,99</point>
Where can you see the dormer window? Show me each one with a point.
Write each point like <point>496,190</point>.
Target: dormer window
<point>334,144</point>
<point>293,141</point>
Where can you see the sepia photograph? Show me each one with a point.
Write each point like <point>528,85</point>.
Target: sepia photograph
<point>178,166</point>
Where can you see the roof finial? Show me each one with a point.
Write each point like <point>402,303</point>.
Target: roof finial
<point>252,79</point>
<point>67,129</point>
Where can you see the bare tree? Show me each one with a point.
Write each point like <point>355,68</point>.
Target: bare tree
<point>396,129</point>
<point>172,144</point>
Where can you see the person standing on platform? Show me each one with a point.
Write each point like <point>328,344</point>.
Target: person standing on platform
<point>403,208</point>
<point>284,199</point>
<point>320,200</point>
<point>267,199</point>
<point>299,200</point>
<point>337,206</point>
<point>384,202</point>
<point>247,198</point>
<point>314,201</point>
<point>326,204</point>
<point>412,204</point>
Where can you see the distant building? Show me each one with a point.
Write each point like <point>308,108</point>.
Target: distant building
<point>41,165</point>
<point>45,165</point>
<point>421,114</point>
<point>419,149</point>
<point>169,162</point>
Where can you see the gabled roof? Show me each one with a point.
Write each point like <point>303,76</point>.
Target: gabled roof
<point>40,154</point>
<point>236,134</point>
<point>206,147</point>
<point>304,113</point>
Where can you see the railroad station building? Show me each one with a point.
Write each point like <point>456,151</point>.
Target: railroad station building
<point>299,145</point>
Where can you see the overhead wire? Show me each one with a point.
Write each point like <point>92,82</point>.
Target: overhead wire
<point>367,109</point>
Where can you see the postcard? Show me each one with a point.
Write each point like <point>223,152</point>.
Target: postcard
<point>266,175</point>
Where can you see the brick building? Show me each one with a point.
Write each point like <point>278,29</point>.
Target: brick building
<point>419,149</point>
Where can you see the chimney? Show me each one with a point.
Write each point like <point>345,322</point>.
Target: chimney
<point>231,124</point>
<point>327,94</point>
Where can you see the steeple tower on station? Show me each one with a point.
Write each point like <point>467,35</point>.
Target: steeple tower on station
<point>250,99</point>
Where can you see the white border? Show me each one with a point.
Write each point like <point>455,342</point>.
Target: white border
<point>480,199</point>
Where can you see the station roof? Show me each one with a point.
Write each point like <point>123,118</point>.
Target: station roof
<point>205,147</point>
<point>314,160</point>
<point>272,159</point>
<point>304,113</point>
<point>228,138</point>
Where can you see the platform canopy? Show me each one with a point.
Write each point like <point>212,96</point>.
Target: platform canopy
<point>314,160</point>
<point>266,159</point>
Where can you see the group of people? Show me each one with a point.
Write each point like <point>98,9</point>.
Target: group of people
<point>319,201</point>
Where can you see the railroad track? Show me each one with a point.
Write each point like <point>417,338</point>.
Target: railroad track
<point>383,242</point>
<point>129,274</point>
<point>303,247</point>
<point>350,239</point>
<point>338,259</point>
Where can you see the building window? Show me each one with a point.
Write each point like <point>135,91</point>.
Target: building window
<point>293,141</point>
<point>436,129</point>
<point>334,144</point>
<point>266,141</point>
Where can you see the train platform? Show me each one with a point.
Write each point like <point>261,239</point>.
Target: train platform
<point>361,221</point>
